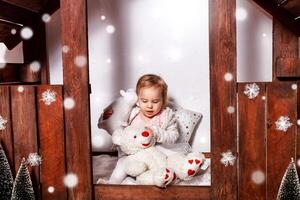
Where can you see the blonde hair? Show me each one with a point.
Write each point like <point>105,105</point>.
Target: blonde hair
<point>152,80</point>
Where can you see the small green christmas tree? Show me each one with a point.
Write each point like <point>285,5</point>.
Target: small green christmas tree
<point>6,178</point>
<point>289,188</point>
<point>23,189</point>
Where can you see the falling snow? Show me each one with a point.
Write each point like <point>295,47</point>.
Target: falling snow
<point>26,33</point>
<point>228,158</point>
<point>34,159</point>
<point>69,103</point>
<point>2,123</point>
<point>71,180</point>
<point>283,123</point>
<point>48,97</point>
<point>251,90</point>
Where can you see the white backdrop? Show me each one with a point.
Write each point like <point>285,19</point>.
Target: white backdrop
<point>165,37</point>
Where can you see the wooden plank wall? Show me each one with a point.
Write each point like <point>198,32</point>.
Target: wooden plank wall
<point>24,127</point>
<point>252,142</point>
<point>52,143</point>
<point>222,52</point>
<point>33,127</point>
<point>265,152</point>
<point>281,146</point>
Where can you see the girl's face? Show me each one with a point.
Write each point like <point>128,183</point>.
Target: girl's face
<point>150,101</point>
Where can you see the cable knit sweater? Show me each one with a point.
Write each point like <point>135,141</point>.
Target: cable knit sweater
<point>163,125</point>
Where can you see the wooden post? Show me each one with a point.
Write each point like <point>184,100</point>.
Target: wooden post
<point>222,54</point>
<point>76,87</point>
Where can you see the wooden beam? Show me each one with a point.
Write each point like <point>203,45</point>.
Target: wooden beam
<point>16,14</point>
<point>18,73</point>
<point>280,14</point>
<point>222,45</point>
<point>34,6</point>
<point>137,192</point>
<point>76,87</point>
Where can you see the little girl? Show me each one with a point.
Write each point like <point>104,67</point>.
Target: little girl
<point>151,111</point>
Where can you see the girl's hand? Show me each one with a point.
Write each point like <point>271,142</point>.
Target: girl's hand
<point>152,131</point>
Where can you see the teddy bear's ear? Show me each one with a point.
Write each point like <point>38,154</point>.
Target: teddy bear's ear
<point>116,136</point>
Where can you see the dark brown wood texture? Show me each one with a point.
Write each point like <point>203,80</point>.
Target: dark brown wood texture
<point>32,5</point>
<point>52,146</point>
<point>6,137</point>
<point>16,14</point>
<point>113,192</point>
<point>285,45</point>
<point>223,95</point>
<point>35,50</point>
<point>280,14</point>
<point>6,37</point>
<point>252,143</point>
<point>10,73</point>
<point>293,6</point>
<point>76,86</point>
<point>23,106</point>
<point>14,73</point>
<point>281,146</point>
<point>288,67</point>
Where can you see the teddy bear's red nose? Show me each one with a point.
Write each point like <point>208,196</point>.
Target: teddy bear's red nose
<point>145,134</point>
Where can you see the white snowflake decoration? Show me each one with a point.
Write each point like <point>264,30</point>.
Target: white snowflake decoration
<point>2,123</point>
<point>283,123</point>
<point>251,90</point>
<point>48,97</point>
<point>227,158</point>
<point>34,159</point>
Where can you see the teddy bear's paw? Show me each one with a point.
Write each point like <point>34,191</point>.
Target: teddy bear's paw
<point>164,177</point>
<point>102,181</point>
<point>192,165</point>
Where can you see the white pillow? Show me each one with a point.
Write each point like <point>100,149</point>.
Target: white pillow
<point>187,120</point>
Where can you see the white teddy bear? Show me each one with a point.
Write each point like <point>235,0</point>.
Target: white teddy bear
<point>148,164</point>
<point>121,108</point>
<point>144,160</point>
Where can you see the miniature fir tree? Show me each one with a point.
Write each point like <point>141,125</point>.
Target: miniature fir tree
<point>6,178</point>
<point>289,188</point>
<point>23,189</point>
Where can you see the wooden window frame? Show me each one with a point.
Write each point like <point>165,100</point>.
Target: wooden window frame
<point>222,38</point>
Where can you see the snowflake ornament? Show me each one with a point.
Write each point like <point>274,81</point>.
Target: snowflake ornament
<point>48,97</point>
<point>283,123</point>
<point>2,123</point>
<point>34,159</point>
<point>251,90</point>
<point>227,158</point>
